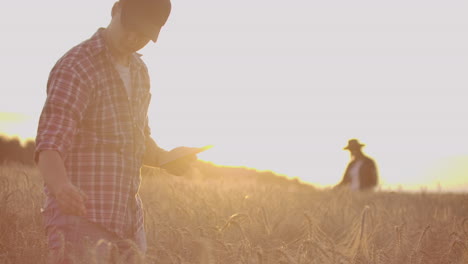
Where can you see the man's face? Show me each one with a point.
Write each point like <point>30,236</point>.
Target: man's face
<point>354,151</point>
<point>127,41</point>
<point>131,41</point>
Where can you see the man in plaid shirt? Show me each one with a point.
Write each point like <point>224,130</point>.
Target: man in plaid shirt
<point>93,135</point>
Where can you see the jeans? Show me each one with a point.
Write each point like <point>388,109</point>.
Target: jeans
<point>74,239</point>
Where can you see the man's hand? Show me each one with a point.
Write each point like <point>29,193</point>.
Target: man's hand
<point>181,165</point>
<point>70,199</point>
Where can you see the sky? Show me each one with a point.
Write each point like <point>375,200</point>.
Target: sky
<point>278,85</point>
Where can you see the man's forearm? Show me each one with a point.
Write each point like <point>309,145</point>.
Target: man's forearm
<point>52,169</point>
<point>153,153</point>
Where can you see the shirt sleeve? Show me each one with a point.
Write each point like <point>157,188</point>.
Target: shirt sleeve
<point>67,99</point>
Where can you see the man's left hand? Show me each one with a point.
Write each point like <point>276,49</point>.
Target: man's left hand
<point>179,166</point>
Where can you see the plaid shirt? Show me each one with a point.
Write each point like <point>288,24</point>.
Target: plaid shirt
<point>99,132</point>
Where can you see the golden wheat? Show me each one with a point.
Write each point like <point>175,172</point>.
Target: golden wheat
<point>229,220</point>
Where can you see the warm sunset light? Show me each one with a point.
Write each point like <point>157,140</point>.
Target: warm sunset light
<point>246,131</point>
<point>278,86</point>
<point>17,125</point>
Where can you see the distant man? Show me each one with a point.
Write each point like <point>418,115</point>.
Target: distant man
<point>361,172</point>
<point>93,137</point>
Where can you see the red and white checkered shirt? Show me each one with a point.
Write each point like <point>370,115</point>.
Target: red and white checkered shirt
<point>99,132</point>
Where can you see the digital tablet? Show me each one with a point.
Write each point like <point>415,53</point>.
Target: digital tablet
<point>181,152</point>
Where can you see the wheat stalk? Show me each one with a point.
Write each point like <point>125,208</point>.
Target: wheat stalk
<point>417,250</point>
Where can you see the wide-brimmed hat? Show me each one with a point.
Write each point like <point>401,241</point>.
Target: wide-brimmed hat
<point>353,144</point>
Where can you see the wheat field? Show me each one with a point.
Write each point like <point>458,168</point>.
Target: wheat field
<point>229,220</point>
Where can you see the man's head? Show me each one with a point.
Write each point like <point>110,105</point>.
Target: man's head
<point>145,16</point>
<point>354,146</point>
<point>136,22</point>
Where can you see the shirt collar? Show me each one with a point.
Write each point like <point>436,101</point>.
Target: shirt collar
<point>98,45</point>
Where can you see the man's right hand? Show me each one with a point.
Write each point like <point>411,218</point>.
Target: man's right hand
<point>70,199</point>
